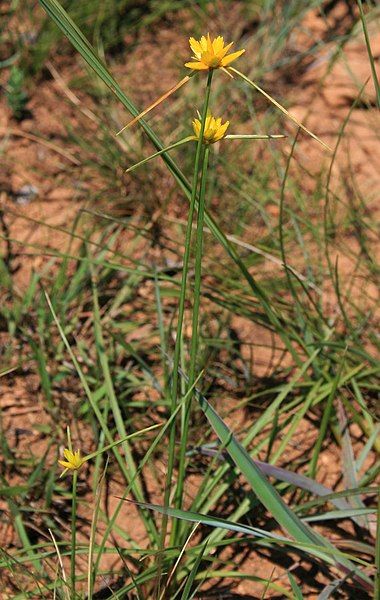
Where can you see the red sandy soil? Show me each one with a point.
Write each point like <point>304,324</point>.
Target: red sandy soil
<point>38,153</point>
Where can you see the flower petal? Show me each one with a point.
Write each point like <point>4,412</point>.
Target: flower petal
<point>65,464</point>
<point>231,57</point>
<point>221,131</point>
<point>68,454</point>
<point>197,127</point>
<point>224,50</point>
<point>196,47</point>
<point>218,44</point>
<point>197,66</point>
<point>203,43</point>
<point>210,49</point>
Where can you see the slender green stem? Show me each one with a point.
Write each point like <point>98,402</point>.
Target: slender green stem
<point>195,325</point>
<point>73,531</point>
<point>186,258</point>
<point>369,51</point>
<point>198,268</point>
<point>181,311</point>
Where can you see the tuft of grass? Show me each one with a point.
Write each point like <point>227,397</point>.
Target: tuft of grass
<point>16,94</point>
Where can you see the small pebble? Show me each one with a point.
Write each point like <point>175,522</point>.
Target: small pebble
<point>26,194</point>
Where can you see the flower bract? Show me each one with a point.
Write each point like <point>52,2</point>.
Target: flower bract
<point>211,54</point>
<point>214,130</point>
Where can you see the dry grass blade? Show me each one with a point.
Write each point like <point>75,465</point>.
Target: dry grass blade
<point>35,138</point>
<point>157,102</point>
<point>66,589</point>
<point>281,108</point>
<point>178,560</point>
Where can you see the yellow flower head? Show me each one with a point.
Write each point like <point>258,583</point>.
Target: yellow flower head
<point>211,54</point>
<point>73,460</point>
<point>213,131</point>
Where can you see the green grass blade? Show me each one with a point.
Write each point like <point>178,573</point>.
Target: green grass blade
<point>268,495</point>
<point>23,534</point>
<point>142,463</point>
<point>191,578</point>
<point>263,537</point>
<point>295,587</point>
<point>122,464</point>
<point>340,514</point>
<point>327,413</point>
<point>115,408</point>
<point>212,497</point>
<point>369,51</point>
<point>294,479</point>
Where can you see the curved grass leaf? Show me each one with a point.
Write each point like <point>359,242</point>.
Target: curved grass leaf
<point>340,514</point>
<point>272,501</point>
<point>281,474</point>
<point>266,538</point>
<point>295,587</point>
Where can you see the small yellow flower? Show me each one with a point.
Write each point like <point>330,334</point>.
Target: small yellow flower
<point>211,54</point>
<point>213,131</point>
<point>73,460</point>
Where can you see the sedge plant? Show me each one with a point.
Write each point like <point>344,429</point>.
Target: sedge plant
<point>186,385</point>
<point>209,55</point>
